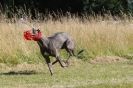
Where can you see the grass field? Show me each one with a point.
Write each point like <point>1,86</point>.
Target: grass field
<point>22,66</point>
<point>97,37</point>
<point>79,75</point>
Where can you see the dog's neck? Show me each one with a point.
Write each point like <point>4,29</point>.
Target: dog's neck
<point>43,42</point>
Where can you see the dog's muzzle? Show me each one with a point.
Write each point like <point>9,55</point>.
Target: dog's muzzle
<point>29,36</point>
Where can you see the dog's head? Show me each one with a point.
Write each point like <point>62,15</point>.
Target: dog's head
<point>34,34</point>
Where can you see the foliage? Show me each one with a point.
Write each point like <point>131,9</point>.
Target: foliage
<point>73,6</point>
<point>104,6</point>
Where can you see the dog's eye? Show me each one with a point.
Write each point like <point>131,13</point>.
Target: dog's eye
<point>34,31</point>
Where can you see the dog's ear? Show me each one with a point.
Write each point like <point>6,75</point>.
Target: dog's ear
<point>38,30</point>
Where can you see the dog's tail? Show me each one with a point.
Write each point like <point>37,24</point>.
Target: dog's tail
<point>79,53</point>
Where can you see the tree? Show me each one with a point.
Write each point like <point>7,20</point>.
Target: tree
<point>103,6</point>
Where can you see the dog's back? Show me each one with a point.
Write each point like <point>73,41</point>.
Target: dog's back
<point>59,39</point>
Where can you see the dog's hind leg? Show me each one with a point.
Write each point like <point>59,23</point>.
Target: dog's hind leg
<point>58,59</point>
<point>71,53</point>
<point>61,62</point>
<point>70,49</point>
<point>54,62</point>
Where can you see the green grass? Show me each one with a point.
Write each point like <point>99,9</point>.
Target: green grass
<point>20,59</point>
<point>78,75</point>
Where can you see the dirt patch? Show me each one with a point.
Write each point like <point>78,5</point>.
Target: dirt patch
<point>108,59</point>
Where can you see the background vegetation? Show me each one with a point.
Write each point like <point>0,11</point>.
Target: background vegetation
<point>98,36</point>
<point>115,7</point>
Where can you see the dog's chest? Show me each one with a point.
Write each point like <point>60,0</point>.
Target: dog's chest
<point>49,50</point>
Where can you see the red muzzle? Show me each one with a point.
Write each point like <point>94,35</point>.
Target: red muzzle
<point>29,36</point>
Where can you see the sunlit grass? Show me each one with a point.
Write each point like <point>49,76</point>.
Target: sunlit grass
<point>98,37</point>
<point>24,66</point>
<point>79,75</point>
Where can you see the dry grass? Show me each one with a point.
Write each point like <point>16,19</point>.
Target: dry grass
<point>108,59</point>
<point>98,38</point>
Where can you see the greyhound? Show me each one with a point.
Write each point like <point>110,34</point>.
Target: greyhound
<point>51,46</point>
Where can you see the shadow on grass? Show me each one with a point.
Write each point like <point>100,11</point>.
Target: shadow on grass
<point>19,73</point>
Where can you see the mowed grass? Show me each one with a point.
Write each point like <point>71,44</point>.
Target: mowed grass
<point>79,75</point>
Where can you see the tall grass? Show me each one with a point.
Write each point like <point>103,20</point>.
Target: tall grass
<point>97,36</point>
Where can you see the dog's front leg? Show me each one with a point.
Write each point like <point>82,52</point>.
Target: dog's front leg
<point>49,64</point>
<point>47,59</point>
